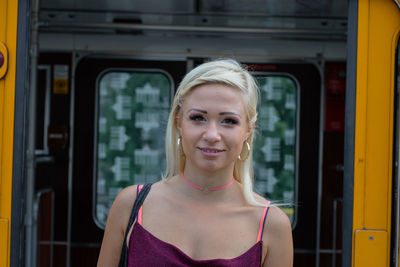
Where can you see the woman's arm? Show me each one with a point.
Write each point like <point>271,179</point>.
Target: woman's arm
<point>277,239</point>
<point>117,222</point>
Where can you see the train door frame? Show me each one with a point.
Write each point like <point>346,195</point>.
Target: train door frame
<point>349,135</point>
<point>74,63</point>
<point>20,61</point>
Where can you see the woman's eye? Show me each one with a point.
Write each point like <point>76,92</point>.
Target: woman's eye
<point>230,121</point>
<point>197,117</point>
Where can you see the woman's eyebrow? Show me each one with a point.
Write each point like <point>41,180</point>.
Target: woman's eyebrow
<point>198,110</point>
<point>230,113</point>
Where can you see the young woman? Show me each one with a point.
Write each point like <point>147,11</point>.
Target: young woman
<point>204,211</point>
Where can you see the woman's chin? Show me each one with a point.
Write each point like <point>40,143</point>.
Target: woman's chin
<point>212,166</point>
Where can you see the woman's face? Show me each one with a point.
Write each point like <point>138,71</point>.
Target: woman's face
<point>213,126</point>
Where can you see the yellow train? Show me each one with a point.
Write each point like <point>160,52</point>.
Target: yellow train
<point>85,86</point>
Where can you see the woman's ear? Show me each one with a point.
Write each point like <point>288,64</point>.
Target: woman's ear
<point>178,124</point>
<point>250,130</point>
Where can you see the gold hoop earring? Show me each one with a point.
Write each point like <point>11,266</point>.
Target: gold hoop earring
<point>248,153</point>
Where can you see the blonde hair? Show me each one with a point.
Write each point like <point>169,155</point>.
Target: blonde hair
<point>227,72</point>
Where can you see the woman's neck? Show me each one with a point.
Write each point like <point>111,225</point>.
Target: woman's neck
<point>207,181</point>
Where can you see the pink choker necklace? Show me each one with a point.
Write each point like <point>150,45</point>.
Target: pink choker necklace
<point>210,189</point>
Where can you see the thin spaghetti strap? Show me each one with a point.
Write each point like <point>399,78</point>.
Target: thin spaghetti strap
<point>262,221</point>
<point>139,187</point>
<point>140,197</point>
<point>140,212</point>
<point>140,215</point>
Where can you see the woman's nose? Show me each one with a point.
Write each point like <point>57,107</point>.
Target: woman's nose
<point>212,133</point>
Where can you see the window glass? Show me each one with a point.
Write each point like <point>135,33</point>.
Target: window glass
<point>132,116</point>
<point>275,144</point>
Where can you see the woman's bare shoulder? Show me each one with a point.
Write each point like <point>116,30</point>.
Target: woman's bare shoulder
<point>277,238</point>
<point>275,215</point>
<point>122,206</point>
<point>126,197</point>
<point>278,228</point>
<point>127,193</point>
<point>277,219</point>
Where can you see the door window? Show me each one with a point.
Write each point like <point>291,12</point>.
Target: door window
<point>275,145</point>
<point>132,114</point>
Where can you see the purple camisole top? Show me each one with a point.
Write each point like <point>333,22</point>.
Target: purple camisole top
<point>147,250</point>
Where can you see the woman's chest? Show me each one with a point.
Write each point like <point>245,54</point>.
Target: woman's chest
<point>203,233</point>
<point>148,250</point>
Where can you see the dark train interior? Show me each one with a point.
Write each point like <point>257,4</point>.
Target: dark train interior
<point>106,73</point>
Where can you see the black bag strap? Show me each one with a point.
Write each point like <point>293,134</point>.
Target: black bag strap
<point>123,260</point>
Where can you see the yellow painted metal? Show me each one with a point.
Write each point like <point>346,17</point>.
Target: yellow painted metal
<point>378,27</point>
<point>4,240</point>
<point>8,36</point>
<point>4,54</point>
<point>370,249</point>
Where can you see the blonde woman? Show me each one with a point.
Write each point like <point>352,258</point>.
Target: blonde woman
<point>204,211</point>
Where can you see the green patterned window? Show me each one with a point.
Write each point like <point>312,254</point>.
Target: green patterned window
<point>275,145</point>
<point>132,114</point>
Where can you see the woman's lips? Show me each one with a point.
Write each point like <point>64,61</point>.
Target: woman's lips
<point>210,151</point>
